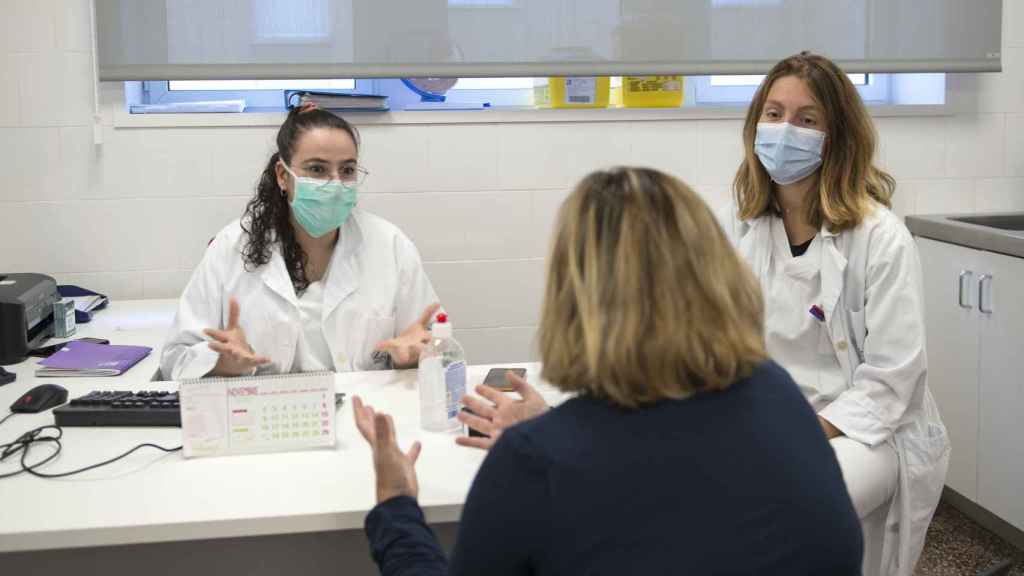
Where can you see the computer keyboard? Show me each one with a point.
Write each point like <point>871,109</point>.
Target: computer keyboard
<point>145,408</point>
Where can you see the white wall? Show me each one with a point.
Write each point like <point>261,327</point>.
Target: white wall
<point>132,217</point>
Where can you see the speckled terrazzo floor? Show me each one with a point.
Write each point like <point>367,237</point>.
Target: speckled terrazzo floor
<point>957,546</point>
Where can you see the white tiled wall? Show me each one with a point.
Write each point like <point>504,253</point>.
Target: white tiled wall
<point>132,217</point>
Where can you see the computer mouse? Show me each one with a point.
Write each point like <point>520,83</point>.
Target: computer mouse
<point>42,397</point>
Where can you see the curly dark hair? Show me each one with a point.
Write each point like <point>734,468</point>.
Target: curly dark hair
<point>266,219</point>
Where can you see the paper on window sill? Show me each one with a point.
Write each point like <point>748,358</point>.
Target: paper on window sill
<point>193,107</point>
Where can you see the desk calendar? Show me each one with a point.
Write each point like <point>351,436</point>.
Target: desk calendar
<point>269,413</point>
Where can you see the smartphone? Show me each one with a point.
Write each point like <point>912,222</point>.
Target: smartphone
<point>473,433</point>
<point>47,351</point>
<point>496,378</point>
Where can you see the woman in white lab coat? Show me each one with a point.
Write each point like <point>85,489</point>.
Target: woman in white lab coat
<point>304,281</point>
<point>842,283</point>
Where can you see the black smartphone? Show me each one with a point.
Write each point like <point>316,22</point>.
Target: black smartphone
<point>47,351</point>
<point>471,432</point>
<point>496,378</point>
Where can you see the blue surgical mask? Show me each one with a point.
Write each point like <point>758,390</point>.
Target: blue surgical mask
<point>789,153</point>
<point>321,206</point>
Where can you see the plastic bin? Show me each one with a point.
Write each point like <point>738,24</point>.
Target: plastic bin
<point>572,92</point>
<point>652,91</point>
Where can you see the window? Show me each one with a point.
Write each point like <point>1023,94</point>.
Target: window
<point>475,3</point>
<point>874,89</point>
<point>755,80</point>
<point>493,91</point>
<point>724,3</point>
<point>267,95</point>
<point>259,95</point>
<point>237,85</point>
<point>701,91</point>
<point>493,84</point>
<point>728,90</point>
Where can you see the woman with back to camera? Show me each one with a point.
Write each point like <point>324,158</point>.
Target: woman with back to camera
<point>685,450</point>
<point>305,281</point>
<point>844,312</point>
<point>842,285</point>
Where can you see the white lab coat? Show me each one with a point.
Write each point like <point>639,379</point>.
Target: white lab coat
<point>375,288</point>
<point>872,297</point>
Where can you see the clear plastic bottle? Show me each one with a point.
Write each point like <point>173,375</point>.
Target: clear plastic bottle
<point>442,374</point>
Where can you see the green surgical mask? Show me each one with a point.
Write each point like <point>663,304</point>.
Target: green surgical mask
<point>321,206</point>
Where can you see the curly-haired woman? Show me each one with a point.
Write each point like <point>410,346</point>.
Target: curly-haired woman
<point>304,281</point>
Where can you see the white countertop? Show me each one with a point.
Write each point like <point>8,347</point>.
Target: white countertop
<point>155,497</point>
<point>973,233</point>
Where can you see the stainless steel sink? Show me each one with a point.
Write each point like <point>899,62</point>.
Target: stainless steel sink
<point>1002,233</point>
<point>1002,221</point>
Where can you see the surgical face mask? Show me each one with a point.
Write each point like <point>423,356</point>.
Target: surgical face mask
<point>789,153</point>
<point>321,206</point>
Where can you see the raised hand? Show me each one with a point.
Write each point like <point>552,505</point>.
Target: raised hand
<point>236,355</point>
<point>406,347</point>
<point>396,471</point>
<point>502,412</point>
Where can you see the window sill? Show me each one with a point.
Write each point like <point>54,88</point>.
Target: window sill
<point>123,119</point>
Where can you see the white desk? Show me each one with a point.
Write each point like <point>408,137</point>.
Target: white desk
<point>142,322</point>
<point>154,497</point>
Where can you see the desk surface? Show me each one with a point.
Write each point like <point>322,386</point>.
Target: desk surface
<point>155,497</point>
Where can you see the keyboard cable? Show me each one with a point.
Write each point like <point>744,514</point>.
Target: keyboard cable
<point>24,443</point>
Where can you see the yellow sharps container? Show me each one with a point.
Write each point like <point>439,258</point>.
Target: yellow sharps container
<point>652,91</point>
<point>571,92</point>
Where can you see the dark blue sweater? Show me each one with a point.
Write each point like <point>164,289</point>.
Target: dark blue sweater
<point>735,482</point>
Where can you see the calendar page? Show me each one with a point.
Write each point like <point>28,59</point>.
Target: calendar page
<point>268,413</point>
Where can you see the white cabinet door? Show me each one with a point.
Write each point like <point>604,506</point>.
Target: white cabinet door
<point>952,340</point>
<point>1001,430</point>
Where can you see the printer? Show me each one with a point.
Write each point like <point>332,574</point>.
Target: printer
<point>26,314</point>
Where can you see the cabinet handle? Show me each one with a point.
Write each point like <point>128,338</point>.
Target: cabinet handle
<point>985,293</point>
<point>964,296</point>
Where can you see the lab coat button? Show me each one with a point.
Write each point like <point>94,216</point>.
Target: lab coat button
<point>842,345</point>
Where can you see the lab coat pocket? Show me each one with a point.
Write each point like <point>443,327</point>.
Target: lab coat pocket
<point>927,459</point>
<point>356,334</point>
<point>378,328</point>
<point>274,334</point>
<point>858,330</point>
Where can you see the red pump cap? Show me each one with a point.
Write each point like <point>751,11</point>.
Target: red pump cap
<point>442,318</point>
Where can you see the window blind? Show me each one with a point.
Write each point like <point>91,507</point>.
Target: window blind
<point>253,39</point>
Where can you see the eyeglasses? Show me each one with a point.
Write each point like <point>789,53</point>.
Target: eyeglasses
<point>350,174</point>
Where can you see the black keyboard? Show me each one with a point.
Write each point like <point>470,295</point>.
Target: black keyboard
<point>146,408</point>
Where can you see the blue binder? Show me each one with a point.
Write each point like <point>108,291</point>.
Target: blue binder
<point>70,291</point>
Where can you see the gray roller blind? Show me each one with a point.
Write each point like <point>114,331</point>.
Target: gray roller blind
<point>238,39</point>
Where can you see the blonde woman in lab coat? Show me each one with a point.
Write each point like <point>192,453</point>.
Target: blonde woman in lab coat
<point>305,280</point>
<point>842,284</point>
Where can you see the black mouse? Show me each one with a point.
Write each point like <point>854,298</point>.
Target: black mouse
<point>42,397</point>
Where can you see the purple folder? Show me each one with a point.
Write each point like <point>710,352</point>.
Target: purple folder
<point>79,358</point>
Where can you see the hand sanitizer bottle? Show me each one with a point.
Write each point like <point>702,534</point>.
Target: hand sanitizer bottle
<point>442,375</point>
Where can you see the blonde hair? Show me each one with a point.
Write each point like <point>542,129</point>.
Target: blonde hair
<point>645,297</point>
<point>848,181</point>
